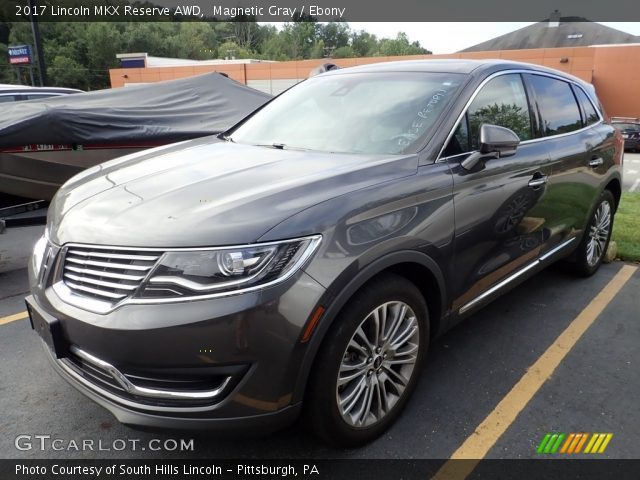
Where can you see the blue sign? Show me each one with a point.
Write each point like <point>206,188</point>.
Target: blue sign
<point>20,55</point>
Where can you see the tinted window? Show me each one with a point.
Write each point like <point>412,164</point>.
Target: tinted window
<point>589,111</point>
<point>459,142</point>
<point>502,101</point>
<point>7,98</point>
<point>556,104</point>
<point>39,96</point>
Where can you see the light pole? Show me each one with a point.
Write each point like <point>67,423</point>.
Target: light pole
<point>42,69</point>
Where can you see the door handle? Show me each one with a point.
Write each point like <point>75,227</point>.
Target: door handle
<point>538,181</point>
<point>596,162</point>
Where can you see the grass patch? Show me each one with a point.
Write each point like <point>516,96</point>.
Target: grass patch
<point>626,227</point>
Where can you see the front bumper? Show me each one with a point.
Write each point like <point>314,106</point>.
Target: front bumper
<point>242,351</point>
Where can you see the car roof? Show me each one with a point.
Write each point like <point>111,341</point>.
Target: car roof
<point>8,88</point>
<point>464,66</point>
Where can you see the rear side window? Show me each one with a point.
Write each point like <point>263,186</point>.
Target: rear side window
<point>40,96</point>
<point>503,102</point>
<point>557,107</point>
<point>7,98</point>
<point>591,116</point>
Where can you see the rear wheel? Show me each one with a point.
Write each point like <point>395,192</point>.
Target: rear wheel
<point>368,365</point>
<point>595,239</point>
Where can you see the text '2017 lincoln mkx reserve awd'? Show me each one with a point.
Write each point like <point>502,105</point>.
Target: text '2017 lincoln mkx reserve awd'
<point>302,261</point>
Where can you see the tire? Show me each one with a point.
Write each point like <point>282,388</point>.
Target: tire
<point>595,239</point>
<point>376,382</point>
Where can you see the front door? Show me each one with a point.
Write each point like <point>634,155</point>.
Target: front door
<point>501,214</point>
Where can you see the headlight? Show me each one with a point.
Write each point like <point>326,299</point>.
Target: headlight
<point>186,273</point>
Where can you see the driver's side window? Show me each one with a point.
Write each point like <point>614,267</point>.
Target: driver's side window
<point>503,102</point>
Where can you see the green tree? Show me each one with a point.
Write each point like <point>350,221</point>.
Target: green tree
<point>364,44</point>
<point>400,46</point>
<point>334,35</point>
<point>344,52</point>
<point>66,71</point>
<point>233,50</point>
<point>196,41</point>
<point>300,36</point>
<point>81,54</point>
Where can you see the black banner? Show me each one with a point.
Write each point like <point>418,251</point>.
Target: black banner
<point>322,10</point>
<point>584,469</point>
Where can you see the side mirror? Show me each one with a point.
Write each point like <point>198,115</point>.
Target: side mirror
<point>495,142</point>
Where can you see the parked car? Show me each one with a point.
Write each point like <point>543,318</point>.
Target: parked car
<point>303,260</point>
<point>18,93</point>
<point>630,130</point>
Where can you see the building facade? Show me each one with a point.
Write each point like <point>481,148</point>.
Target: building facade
<point>613,69</point>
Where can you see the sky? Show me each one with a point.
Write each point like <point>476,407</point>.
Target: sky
<point>450,37</point>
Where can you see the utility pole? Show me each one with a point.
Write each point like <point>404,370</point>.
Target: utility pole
<point>42,69</point>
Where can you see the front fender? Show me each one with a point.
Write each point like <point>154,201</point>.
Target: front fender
<point>344,287</point>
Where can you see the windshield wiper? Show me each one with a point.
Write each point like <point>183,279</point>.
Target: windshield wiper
<point>279,146</point>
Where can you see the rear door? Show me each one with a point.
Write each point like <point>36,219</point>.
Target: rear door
<point>576,151</point>
<point>500,206</point>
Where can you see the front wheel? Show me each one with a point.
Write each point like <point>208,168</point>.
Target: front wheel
<point>595,239</point>
<point>369,363</point>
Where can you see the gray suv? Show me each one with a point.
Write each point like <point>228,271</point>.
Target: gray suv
<point>303,261</point>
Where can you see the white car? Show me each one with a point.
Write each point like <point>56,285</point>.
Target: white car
<point>17,93</point>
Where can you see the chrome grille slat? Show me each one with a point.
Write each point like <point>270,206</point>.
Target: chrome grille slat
<point>107,274</point>
<point>95,291</point>
<point>119,256</point>
<point>119,266</point>
<point>101,283</point>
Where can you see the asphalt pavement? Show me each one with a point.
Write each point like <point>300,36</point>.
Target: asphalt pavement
<point>467,373</point>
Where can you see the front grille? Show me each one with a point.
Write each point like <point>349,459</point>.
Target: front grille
<point>106,274</point>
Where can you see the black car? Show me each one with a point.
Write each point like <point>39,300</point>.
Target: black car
<point>630,130</point>
<point>303,261</point>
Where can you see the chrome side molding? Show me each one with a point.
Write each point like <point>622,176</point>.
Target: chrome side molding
<point>503,283</point>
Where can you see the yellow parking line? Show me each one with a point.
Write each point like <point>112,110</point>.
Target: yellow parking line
<point>491,429</point>
<point>13,318</point>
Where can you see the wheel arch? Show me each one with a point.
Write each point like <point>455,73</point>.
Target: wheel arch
<point>417,267</point>
<point>616,190</point>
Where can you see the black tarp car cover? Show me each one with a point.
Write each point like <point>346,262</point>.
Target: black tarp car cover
<point>166,111</point>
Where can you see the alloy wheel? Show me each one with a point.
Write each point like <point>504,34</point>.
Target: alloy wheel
<point>599,233</point>
<point>377,364</point>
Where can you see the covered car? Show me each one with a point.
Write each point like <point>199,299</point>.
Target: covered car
<point>44,143</point>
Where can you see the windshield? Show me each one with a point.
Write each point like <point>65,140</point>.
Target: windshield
<point>375,113</point>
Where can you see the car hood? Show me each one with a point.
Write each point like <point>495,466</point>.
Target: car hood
<point>206,193</point>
